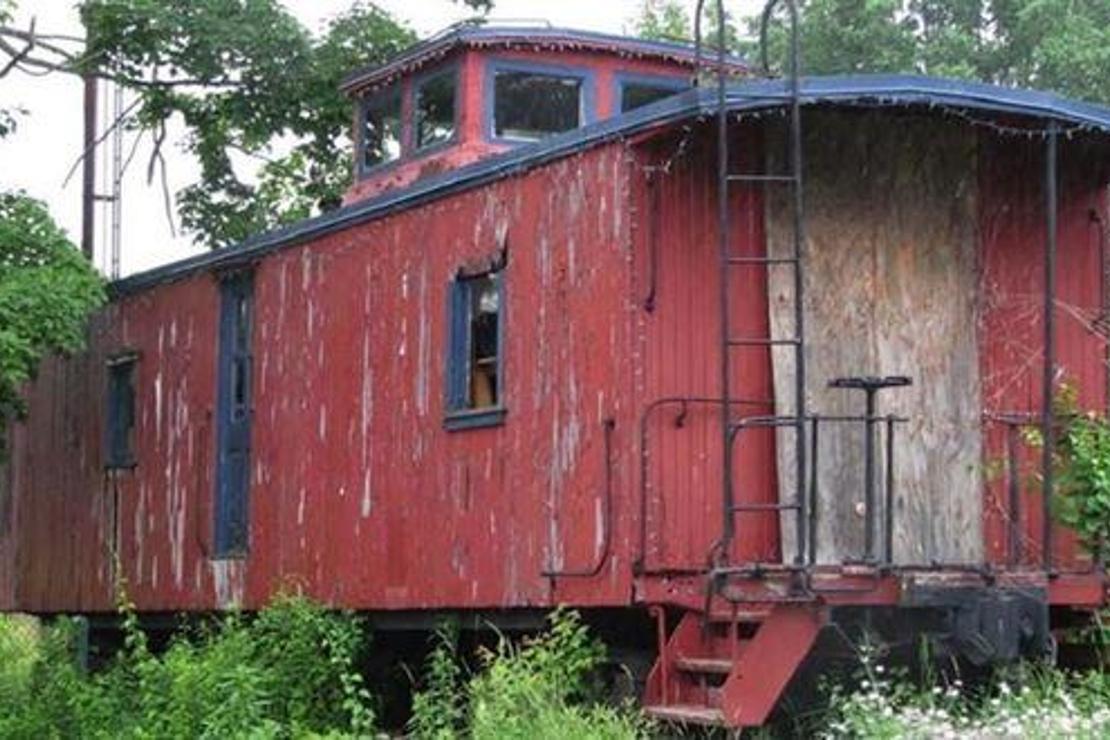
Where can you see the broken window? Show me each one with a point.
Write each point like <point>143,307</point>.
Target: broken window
<point>435,109</point>
<point>532,105</point>
<point>381,129</point>
<point>120,432</point>
<point>475,361</point>
<point>636,94</point>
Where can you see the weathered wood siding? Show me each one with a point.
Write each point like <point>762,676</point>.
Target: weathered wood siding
<point>890,283</point>
<point>358,494</point>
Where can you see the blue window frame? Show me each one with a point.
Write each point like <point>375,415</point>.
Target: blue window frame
<point>631,91</point>
<point>381,131</point>
<point>528,102</point>
<point>120,418</point>
<point>233,431</point>
<point>435,109</point>
<point>475,357</point>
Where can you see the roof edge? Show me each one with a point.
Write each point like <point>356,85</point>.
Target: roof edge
<point>863,90</point>
<point>474,35</point>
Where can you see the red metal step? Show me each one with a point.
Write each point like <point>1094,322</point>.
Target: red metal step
<point>722,666</point>
<point>686,714</point>
<point>730,673</point>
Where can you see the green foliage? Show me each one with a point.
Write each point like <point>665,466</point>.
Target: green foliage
<point>541,689</point>
<point>47,290</point>
<point>288,673</point>
<point>1082,460</point>
<point>666,20</point>
<point>244,76</point>
<point>1049,44</point>
<point>439,707</point>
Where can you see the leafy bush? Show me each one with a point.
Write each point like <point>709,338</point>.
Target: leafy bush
<point>1081,465</point>
<point>439,708</point>
<point>1083,498</point>
<point>47,290</point>
<point>538,689</point>
<point>289,672</point>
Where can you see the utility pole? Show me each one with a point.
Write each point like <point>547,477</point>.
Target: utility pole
<point>88,175</point>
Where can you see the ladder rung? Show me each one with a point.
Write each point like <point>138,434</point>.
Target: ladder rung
<point>762,178</point>
<point>766,423</point>
<point>763,260</point>
<point>762,341</point>
<point>766,507</point>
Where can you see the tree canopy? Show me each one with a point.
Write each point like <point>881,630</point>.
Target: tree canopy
<point>256,92</point>
<point>47,289</point>
<point>1058,45</point>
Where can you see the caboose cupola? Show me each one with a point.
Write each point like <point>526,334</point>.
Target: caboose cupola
<point>476,90</point>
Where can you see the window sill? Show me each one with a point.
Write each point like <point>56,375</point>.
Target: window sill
<point>474,418</point>
<point>229,555</point>
<point>126,466</point>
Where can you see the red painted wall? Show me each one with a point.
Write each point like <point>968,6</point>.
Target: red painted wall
<point>1012,329</point>
<point>361,498</point>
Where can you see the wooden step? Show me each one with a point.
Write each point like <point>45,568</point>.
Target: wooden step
<point>750,614</point>
<point>721,666</point>
<point>686,714</point>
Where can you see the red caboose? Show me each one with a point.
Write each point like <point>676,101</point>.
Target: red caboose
<point>747,361</point>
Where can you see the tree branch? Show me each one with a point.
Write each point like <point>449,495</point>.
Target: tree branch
<point>70,63</point>
<point>20,56</point>
<point>100,139</point>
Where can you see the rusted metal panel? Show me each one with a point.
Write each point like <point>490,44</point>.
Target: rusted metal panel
<point>1012,228</point>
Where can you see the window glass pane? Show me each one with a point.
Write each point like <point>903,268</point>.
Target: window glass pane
<point>240,376</point>
<point>485,308</point>
<point>530,106</point>
<point>435,110</point>
<point>242,324</point>
<point>634,95</point>
<point>121,413</point>
<point>381,131</point>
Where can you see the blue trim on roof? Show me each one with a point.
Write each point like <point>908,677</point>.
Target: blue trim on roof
<point>869,90</point>
<point>471,34</point>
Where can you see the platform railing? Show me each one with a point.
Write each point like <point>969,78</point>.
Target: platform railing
<point>1017,425</point>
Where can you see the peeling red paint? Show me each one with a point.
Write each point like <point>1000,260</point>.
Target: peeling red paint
<point>361,498</point>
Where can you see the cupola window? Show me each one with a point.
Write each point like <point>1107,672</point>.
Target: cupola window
<point>381,129</point>
<point>531,105</point>
<point>435,109</point>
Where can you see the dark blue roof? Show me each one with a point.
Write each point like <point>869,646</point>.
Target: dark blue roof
<point>857,90</point>
<point>544,37</point>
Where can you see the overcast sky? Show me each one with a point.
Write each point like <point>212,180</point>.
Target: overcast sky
<point>48,141</point>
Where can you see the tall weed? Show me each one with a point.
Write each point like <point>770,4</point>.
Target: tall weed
<point>289,672</point>
<point>539,689</point>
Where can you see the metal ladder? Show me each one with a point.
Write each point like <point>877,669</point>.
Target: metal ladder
<point>728,263</point>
